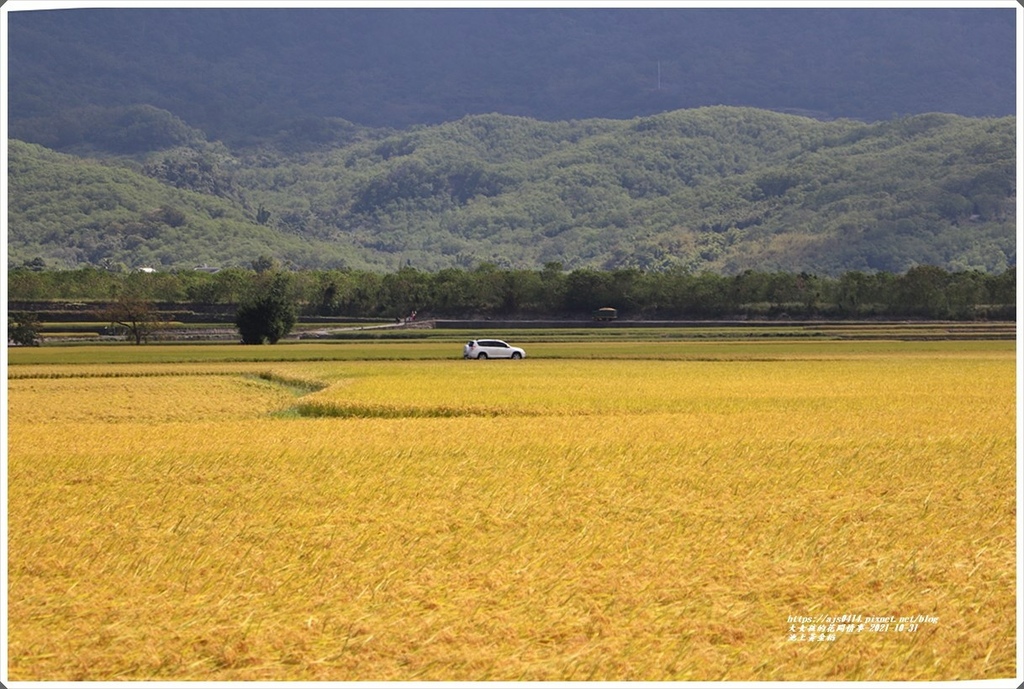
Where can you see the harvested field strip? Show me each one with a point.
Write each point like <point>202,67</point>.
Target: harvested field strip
<point>170,361</point>
<point>56,375</point>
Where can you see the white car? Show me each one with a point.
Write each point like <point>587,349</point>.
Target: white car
<point>491,349</point>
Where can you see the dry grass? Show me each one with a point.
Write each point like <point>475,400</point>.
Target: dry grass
<point>565,520</point>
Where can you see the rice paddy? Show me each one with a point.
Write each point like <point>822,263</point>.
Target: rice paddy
<point>655,510</point>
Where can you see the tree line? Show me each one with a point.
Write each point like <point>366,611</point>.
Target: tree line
<point>487,291</point>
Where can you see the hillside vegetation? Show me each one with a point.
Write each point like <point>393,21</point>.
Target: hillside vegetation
<point>720,188</point>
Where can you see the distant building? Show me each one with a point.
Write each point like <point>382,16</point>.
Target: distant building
<point>146,269</point>
<point>207,269</point>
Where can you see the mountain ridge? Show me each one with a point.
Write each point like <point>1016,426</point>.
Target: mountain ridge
<point>241,74</point>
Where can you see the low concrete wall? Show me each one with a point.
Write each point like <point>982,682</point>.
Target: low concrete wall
<point>512,324</point>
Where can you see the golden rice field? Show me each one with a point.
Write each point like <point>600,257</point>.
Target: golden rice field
<point>649,511</point>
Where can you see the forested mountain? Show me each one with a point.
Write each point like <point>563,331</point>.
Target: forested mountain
<point>719,188</point>
<point>714,139</point>
<point>242,75</point>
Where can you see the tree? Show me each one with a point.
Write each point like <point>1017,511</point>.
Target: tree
<point>587,289</point>
<point>134,314</point>
<point>269,314</point>
<point>23,329</point>
<point>921,291</point>
<point>264,264</point>
<point>404,291</point>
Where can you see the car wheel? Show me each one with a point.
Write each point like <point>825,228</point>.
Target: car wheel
<point>481,355</point>
<point>517,355</point>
